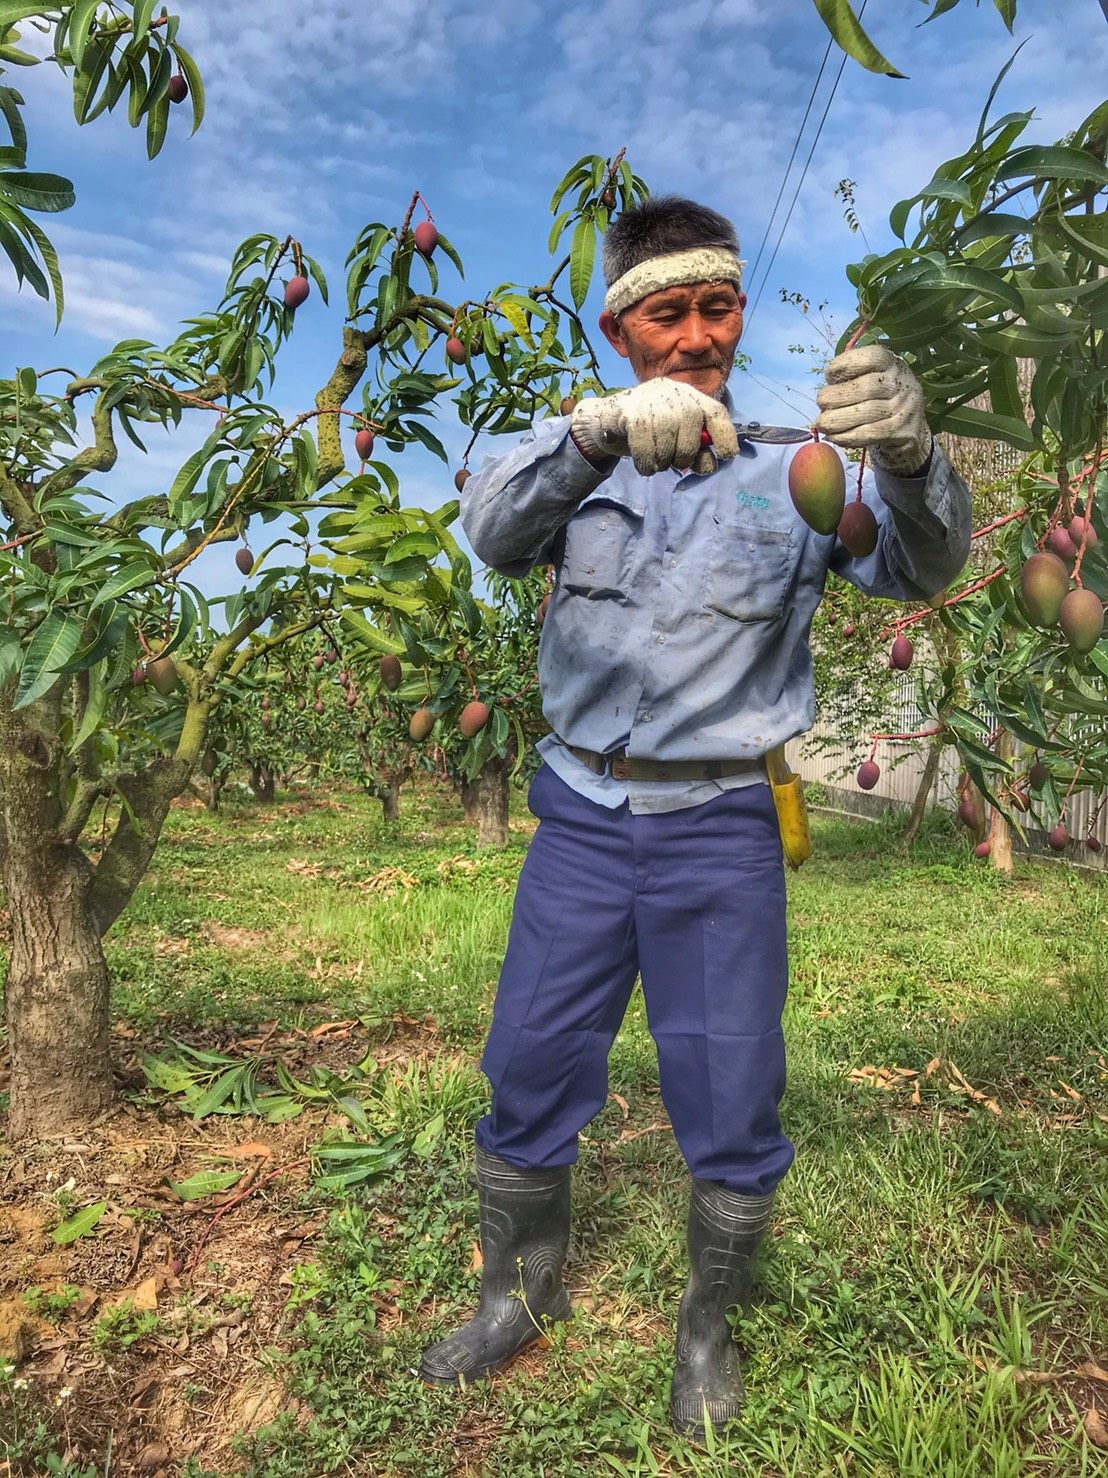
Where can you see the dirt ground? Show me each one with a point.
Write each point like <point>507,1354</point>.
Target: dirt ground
<point>149,1336</point>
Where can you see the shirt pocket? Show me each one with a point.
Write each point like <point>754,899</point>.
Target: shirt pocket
<point>749,570</point>
<point>599,551</point>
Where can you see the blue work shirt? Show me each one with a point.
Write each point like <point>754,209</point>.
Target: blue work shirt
<point>680,619</point>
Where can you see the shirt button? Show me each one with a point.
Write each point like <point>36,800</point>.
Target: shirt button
<point>673,564</point>
<point>645,718</point>
<point>661,640</point>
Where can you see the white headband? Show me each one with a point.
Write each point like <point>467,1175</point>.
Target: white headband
<point>701,264</point>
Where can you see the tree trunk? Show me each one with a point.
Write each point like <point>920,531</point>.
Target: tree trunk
<point>215,790</point>
<point>1000,833</point>
<point>486,803</point>
<point>57,984</point>
<point>1000,844</point>
<point>313,772</point>
<point>263,782</point>
<point>57,998</point>
<point>923,790</point>
<point>389,796</point>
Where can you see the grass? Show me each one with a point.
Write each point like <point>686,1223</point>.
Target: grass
<point>938,1267</point>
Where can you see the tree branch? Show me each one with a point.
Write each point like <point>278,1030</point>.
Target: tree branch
<point>100,457</point>
<point>147,798</point>
<point>17,506</point>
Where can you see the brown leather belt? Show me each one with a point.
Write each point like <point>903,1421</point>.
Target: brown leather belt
<point>623,767</point>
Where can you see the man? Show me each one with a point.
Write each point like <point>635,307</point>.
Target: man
<point>674,656</point>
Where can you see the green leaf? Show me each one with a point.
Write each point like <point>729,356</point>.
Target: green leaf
<point>581,257</point>
<point>95,709</point>
<point>204,1183</point>
<point>1089,233</point>
<point>1004,390</point>
<point>196,97</point>
<point>940,7</point>
<point>517,317</point>
<point>965,421</point>
<point>1000,76</point>
<point>992,224</point>
<point>377,640</point>
<point>47,193</point>
<point>10,101</point>
<point>26,268</point>
<point>429,1135</point>
<point>423,434</point>
<point>971,279</point>
<point>957,190</point>
<point>130,577</point>
<point>144,10</point>
<point>80,22</point>
<point>79,1225</point>
<point>157,121</point>
<point>1007,9</point>
<point>1052,162</point>
<point>219,1092</point>
<point>423,544</point>
<point>52,645</point>
<point>839,18</point>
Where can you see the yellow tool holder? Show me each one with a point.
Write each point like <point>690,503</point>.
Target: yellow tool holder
<point>792,813</point>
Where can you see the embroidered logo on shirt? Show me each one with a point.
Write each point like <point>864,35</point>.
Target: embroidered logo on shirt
<point>751,500</point>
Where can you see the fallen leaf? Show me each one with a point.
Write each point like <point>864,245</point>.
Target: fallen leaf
<point>477,1260</point>
<point>84,1305</point>
<point>153,1455</point>
<point>1073,1093</point>
<point>619,1098</point>
<point>325,1027</point>
<point>246,1151</point>
<point>144,1298</point>
<point>1092,1371</point>
<point>1096,1428</point>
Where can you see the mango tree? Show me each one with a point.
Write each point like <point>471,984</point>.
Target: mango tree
<point>1003,260</point>
<point>112,663</point>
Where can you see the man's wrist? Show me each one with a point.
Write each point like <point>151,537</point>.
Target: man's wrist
<point>601,461</point>
<point>911,460</point>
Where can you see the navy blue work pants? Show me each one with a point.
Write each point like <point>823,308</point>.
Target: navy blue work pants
<point>694,900</point>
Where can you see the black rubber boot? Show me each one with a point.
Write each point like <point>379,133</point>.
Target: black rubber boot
<point>724,1231</point>
<point>524,1235</point>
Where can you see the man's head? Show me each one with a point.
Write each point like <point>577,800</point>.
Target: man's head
<point>675,301</point>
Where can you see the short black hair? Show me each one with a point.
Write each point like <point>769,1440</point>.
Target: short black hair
<point>660,225</point>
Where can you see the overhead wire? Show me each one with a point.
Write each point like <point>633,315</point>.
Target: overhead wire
<point>807,413</point>
<point>803,176</point>
<point>792,157</point>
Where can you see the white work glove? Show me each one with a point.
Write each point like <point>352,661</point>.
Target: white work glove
<point>657,424</point>
<point>872,399</point>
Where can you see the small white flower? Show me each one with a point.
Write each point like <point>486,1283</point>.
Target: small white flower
<point>20,1383</point>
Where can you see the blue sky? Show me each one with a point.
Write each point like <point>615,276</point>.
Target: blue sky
<point>321,118</point>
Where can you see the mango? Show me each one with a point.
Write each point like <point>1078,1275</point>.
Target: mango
<point>1044,581</point>
<point>869,773</point>
<point>473,718</point>
<point>421,724</point>
<point>296,290</point>
<point>1082,619</point>
<point>817,486</point>
<point>857,529</point>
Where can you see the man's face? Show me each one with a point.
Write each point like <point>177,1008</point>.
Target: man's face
<point>687,333</point>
